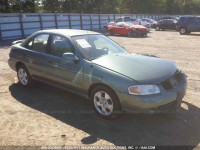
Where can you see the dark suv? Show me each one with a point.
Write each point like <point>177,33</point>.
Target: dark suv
<point>189,24</point>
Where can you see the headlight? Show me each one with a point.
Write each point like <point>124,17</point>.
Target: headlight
<point>143,89</point>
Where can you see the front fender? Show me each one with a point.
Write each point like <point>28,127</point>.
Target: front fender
<point>95,74</point>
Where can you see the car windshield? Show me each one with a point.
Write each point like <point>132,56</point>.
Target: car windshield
<point>93,46</point>
<point>129,24</point>
<point>136,19</point>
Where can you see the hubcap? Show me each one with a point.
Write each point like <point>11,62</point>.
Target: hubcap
<point>182,30</point>
<point>23,78</point>
<point>157,28</point>
<point>103,103</point>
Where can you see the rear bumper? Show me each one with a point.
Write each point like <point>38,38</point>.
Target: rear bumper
<point>165,101</point>
<point>12,64</point>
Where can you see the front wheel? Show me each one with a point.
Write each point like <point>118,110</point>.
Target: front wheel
<point>105,102</point>
<point>24,76</point>
<point>130,33</point>
<point>157,28</point>
<point>183,31</point>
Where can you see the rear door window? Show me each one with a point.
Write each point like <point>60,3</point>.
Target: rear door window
<point>39,43</point>
<point>29,44</point>
<point>190,19</point>
<point>197,20</point>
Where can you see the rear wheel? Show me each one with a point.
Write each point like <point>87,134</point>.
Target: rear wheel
<point>105,102</point>
<point>24,76</point>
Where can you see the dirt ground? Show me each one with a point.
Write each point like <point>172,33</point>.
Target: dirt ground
<point>45,115</point>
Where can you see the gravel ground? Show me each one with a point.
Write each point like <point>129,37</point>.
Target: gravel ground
<point>45,115</point>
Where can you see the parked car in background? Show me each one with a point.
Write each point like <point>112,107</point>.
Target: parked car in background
<point>171,17</point>
<point>138,21</point>
<point>165,24</point>
<point>150,21</point>
<point>188,24</point>
<point>91,65</point>
<point>127,28</point>
<point>135,21</point>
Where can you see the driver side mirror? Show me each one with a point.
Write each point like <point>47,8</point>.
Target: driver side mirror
<point>70,56</point>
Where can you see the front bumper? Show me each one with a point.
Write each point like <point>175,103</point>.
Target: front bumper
<point>167,100</point>
<point>141,32</point>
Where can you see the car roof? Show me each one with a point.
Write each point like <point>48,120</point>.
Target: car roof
<point>67,32</point>
<point>147,18</point>
<point>169,19</point>
<point>189,16</point>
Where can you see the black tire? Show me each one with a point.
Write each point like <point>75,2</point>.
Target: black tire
<point>188,32</point>
<point>157,28</point>
<point>183,31</point>
<point>130,33</point>
<point>30,82</point>
<point>176,28</point>
<point>111,32</point>
<point>135,34</point>
<point>115,102</point>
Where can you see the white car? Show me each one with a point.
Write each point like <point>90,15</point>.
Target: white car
<point>150,21</point>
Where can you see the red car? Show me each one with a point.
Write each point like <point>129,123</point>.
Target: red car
<point>126,28</point>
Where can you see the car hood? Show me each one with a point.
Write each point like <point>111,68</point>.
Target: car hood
<point>144,69</point>
<point>138,27</point>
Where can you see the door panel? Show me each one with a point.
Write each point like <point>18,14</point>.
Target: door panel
<point>35,54</point>
<point>120,30</point>
<point>64,71</point>
<point>190,24</point>
<point>197,24</point>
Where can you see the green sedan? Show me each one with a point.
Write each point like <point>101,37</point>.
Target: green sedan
<point>93,66</point>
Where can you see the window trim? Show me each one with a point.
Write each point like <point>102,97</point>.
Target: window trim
<point>49,44</point>
<point>190,21</point>
<point>32,39</point>
<point>25,45</point>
